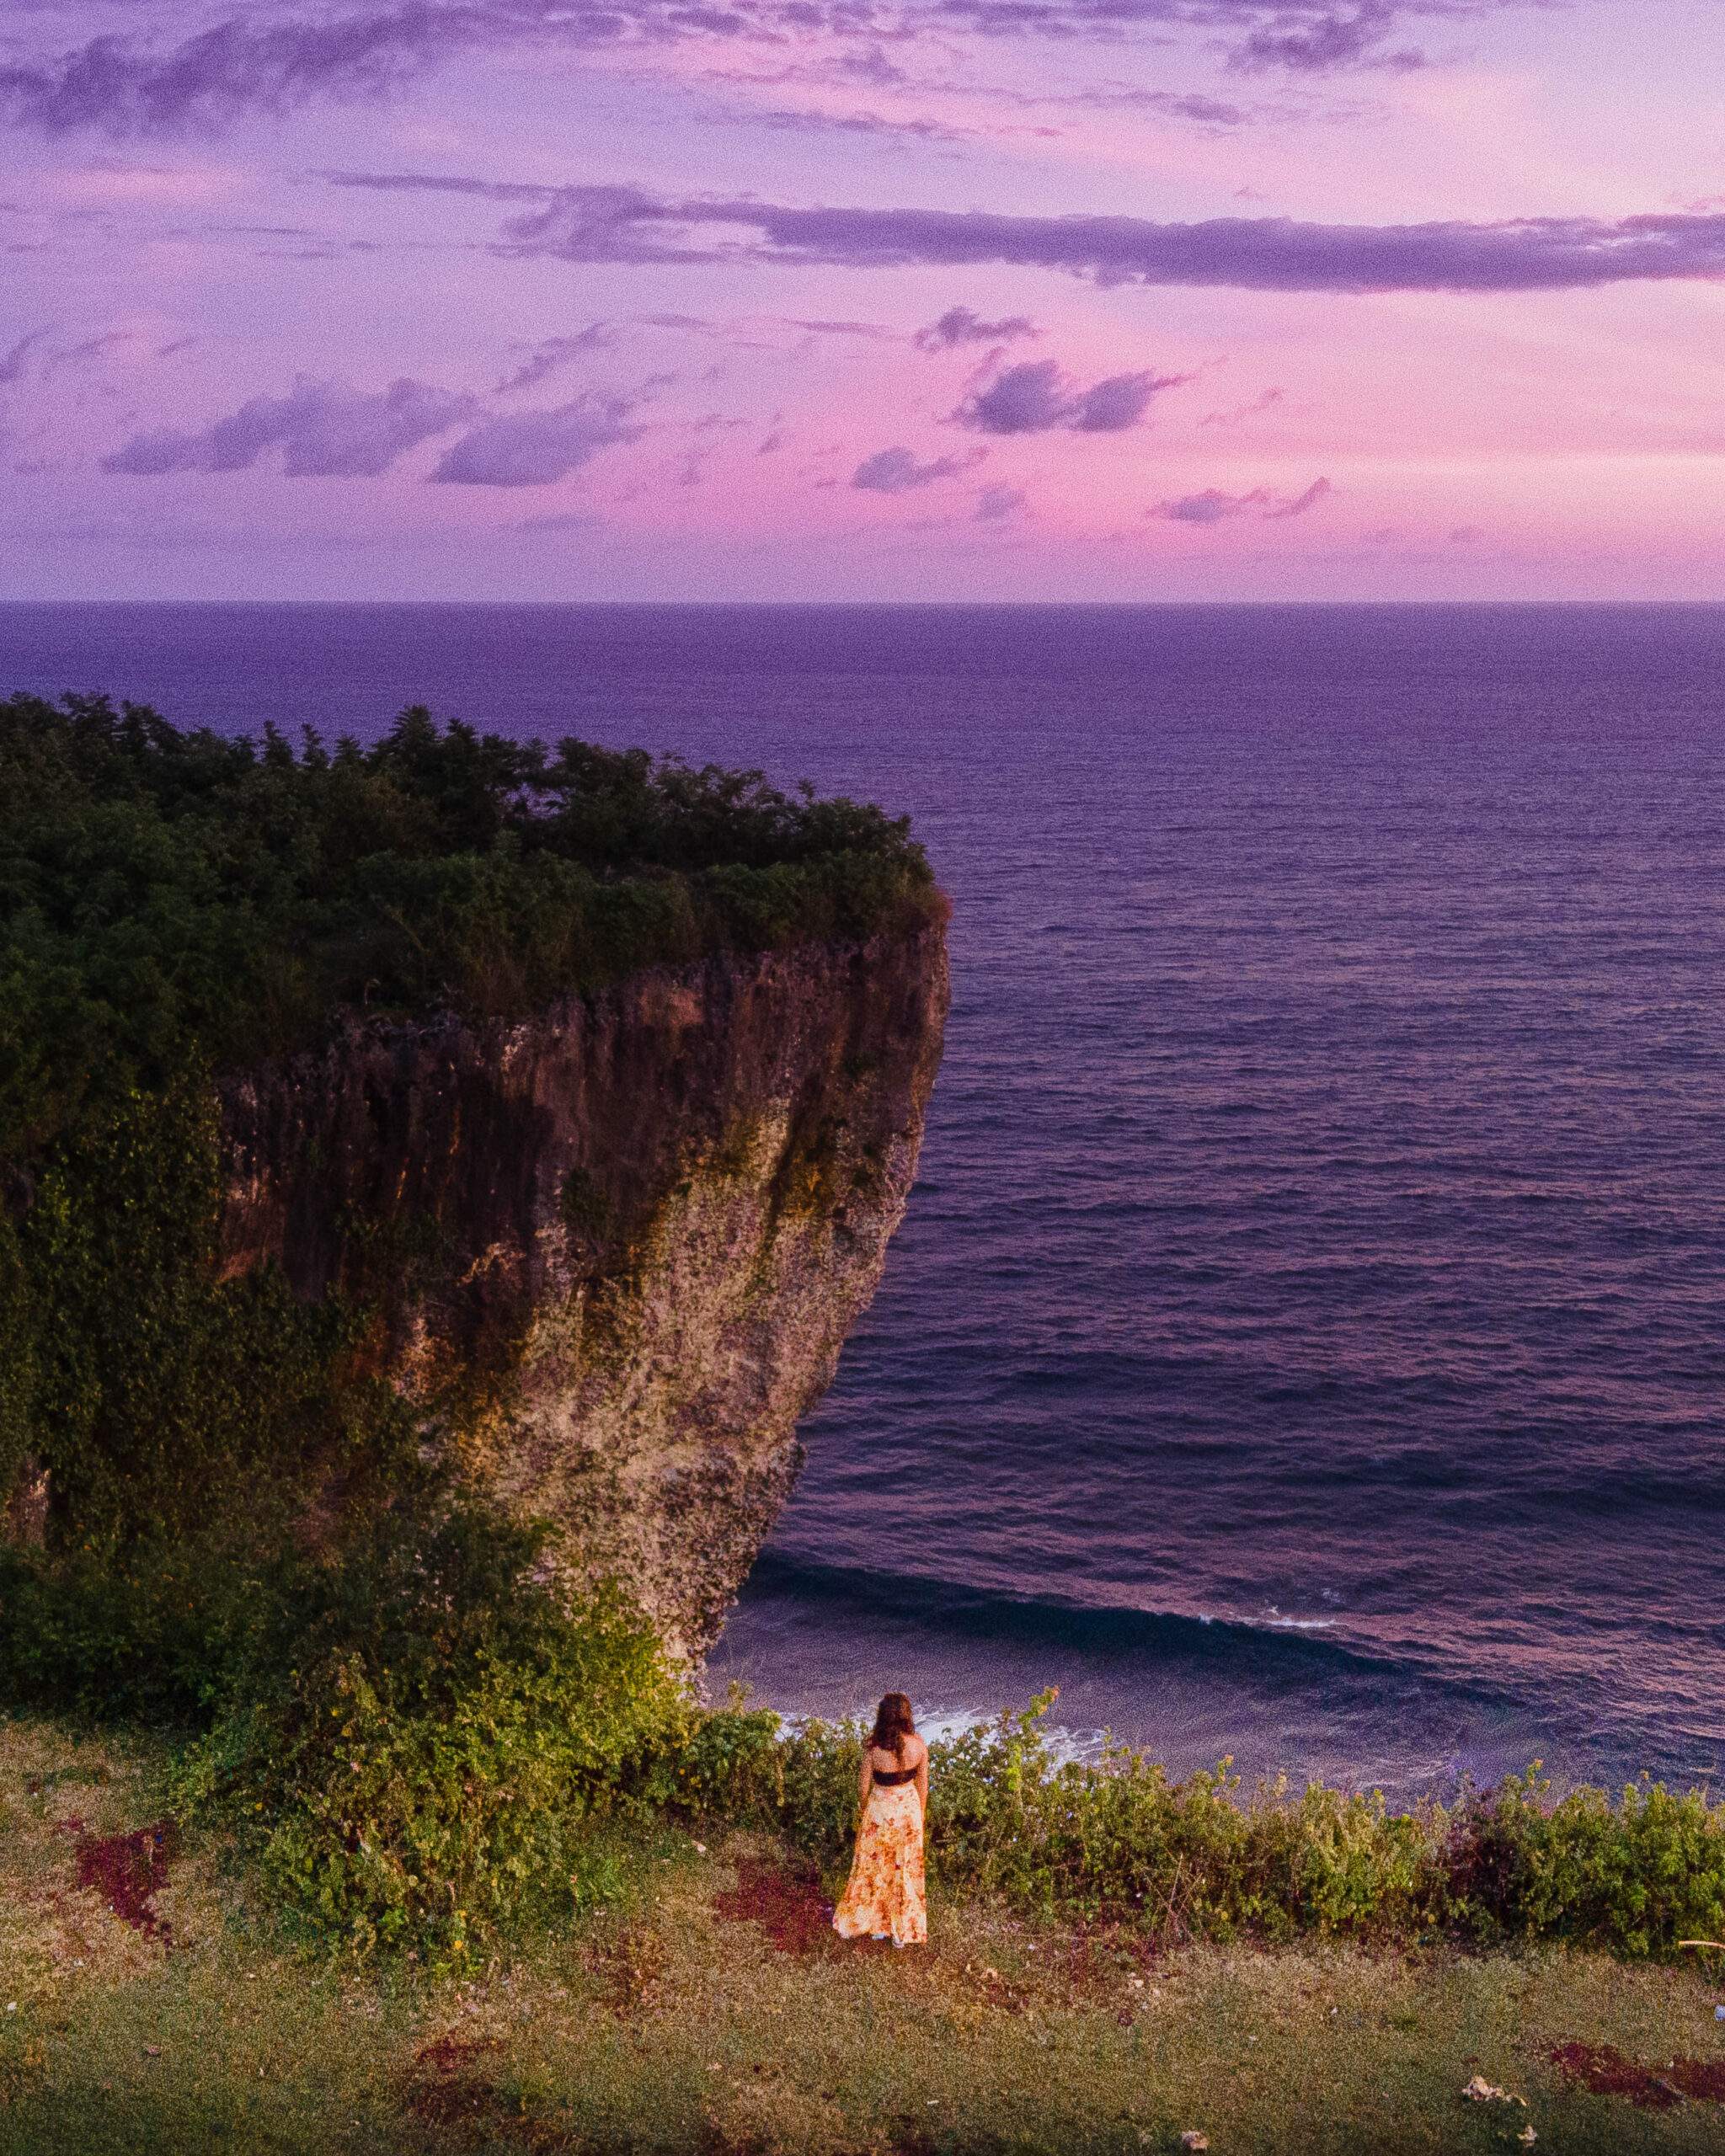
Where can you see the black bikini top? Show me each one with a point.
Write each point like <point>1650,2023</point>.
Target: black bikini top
<point>896,1781</point>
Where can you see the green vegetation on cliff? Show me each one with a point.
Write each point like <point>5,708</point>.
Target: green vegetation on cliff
<point>172,904</point>
<point>168,896</point>
<point>218,1516</point>
<point>421,1749</point>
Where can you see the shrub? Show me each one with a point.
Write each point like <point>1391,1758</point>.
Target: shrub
<point>414,1735</point>
<point>1115,1839</point>
<point>421,1752</point>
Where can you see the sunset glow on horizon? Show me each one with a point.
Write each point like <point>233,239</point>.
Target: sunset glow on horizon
<point>831,299</point>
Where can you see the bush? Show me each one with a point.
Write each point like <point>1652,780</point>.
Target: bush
<point>423,1746</point>
<point>415,1736</point>
<point>1116,1840</point>
<point>419,1760</point>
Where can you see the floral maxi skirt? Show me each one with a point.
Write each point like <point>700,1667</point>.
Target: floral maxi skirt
<point>886,1889</point>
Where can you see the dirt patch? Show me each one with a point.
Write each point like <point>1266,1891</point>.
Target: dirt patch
<point>1702,2078</point>
<point>128,1870</point>
<point>444,2090</point>
<point>457,2100</point>
<point>1604,2070</point>
<point>1096,1961</point>
<point>450,2053</point>
<point>717,2140</point>
<point>1005,1995</point>
<point>784,1900</point>
<point>630,1967</point>
<point>910,2137</point>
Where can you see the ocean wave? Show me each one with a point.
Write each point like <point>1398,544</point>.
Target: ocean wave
<point>1272,1649</point>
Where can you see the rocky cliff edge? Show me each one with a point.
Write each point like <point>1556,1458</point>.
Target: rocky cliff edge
<point>614,1248</point>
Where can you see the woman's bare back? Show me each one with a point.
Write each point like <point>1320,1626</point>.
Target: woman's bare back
<point>915,1751</point>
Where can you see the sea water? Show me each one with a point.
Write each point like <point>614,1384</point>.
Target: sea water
<point>1307,1341</point>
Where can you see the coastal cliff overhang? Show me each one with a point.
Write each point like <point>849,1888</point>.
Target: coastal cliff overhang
<point>612,1249</point>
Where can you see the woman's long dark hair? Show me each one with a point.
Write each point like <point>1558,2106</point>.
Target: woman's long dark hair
<point>892,1725</point>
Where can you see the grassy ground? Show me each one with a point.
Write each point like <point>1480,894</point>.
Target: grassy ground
<point>706,2008</point>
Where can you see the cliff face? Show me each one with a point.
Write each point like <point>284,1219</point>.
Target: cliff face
<point>616,1246</point>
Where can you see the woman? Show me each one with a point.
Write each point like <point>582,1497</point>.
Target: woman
<point>884,1897</point>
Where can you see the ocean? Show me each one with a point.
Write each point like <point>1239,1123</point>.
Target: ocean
<point>1306,1342</point>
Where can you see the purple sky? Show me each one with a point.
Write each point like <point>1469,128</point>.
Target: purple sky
<point>1090,299</point>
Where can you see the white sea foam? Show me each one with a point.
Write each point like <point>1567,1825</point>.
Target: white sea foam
<point>943,1725</point>
<point>1274,1619</point>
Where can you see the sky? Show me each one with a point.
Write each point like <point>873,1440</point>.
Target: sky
<point>1099,299</point>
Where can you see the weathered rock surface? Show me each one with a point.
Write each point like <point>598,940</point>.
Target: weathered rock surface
<point>617,1246</point>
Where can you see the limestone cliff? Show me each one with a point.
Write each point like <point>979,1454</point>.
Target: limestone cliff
<point>616,1247</point>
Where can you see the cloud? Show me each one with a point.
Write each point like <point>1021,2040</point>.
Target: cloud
<point>1277,254</point>
<point>325,429</point>
<point>124,87</point>
<point>1214,506</point>
<point>555,352</point>
<point>92,348</point>
<point>1203,111</point>
<point>958,325</point>
<point>13,363</point>
<point>1301,503</point>
<point>896,471</point>
<point>994,503</point>
<point>874,330</point>
<point>1328,42</point>
<point>1107,96</point>
<point>1034,398</point>
<point>1263,403</point>
<point>810,120</point>
<point>1110,406</point>
<point>272,58</point>
<point>1177,104</point>
<point>533,448</point>
<point>578,520</point>
<point>1210,507</point>
<point>1300,36</point>
<point>871,66</point>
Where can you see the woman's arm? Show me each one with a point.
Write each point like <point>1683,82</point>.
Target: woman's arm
<point>865,1780</point>
<point>922,1778</point>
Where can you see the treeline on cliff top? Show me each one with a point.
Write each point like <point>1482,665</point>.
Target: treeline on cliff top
<point>174,904</point>
<point>162,890</point>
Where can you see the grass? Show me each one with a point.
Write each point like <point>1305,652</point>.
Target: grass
<point>701,2005</point>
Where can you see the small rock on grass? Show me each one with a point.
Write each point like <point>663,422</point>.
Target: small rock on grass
<point>1194,2140</point>
<point>1479,2091</point>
